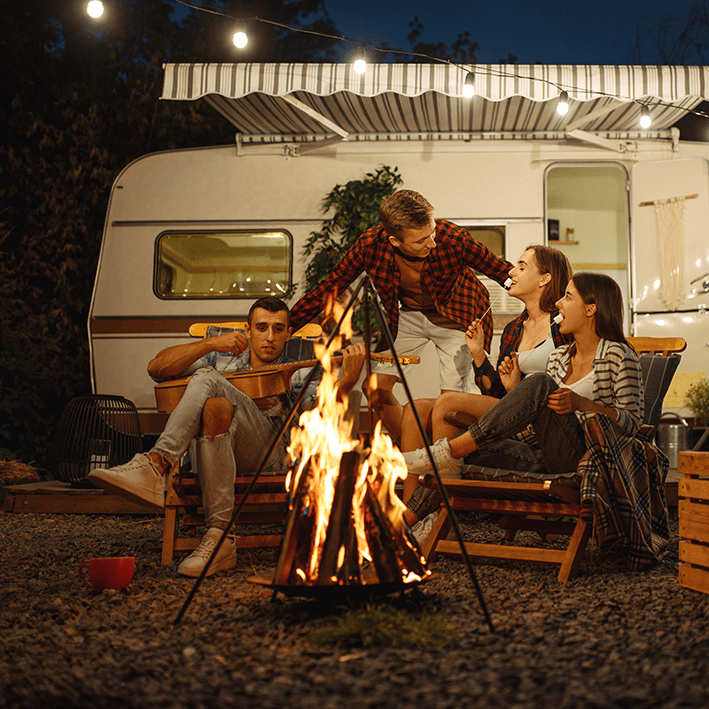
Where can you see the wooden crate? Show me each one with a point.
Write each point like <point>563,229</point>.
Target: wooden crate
<point>693,511</point>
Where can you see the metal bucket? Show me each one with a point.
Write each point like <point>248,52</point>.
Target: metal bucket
<point>674,437</point>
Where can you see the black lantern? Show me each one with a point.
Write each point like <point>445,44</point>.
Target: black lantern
<point>94,432</point>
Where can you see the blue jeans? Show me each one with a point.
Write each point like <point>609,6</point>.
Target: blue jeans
<point>561,437</point>
<point>246,441</point>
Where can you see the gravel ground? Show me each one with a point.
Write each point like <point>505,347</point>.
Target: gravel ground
<point>608,639</point>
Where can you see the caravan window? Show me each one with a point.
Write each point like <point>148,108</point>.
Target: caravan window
<point>204,265</point>
<point>491,236</point>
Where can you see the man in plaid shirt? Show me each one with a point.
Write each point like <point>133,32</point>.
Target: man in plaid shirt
<point>429,267</point>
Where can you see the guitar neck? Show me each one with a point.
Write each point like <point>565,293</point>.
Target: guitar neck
<point>337,359</point>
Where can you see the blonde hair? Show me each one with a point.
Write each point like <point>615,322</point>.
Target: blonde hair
<point>405,209</point>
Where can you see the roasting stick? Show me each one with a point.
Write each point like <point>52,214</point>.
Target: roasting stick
<point>506,285</point>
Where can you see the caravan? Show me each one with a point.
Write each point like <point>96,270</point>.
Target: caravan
<point>195,235</point>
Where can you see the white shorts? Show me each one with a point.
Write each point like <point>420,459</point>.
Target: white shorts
<point>415,332</point>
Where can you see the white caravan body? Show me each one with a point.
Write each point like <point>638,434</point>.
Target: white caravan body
<point>586,191</point>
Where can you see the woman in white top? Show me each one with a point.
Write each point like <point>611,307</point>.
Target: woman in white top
<point>598,372</point>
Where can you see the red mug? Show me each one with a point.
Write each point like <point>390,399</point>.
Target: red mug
<point>112,572</point>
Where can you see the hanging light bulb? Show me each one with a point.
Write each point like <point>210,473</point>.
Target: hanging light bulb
<point>95,9</point>
<point>360,61</point>
<point>645,120</point>
<point>240,38</point>
<point>469,85</point>
<point>562,106</point>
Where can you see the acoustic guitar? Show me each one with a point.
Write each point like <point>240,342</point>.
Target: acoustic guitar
<point>259,382</point>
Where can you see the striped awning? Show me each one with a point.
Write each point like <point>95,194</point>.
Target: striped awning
<point>301,102</point>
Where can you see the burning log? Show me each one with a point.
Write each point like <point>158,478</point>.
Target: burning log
<point>339,562</point>
<point>394,550</point>
<point>380,538</point>
<point>298,535</point>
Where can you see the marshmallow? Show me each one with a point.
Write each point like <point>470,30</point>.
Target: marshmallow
<point>558,318</point>
<point>506,285</point>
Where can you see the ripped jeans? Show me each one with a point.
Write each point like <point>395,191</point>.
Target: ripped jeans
<point>250,434</point>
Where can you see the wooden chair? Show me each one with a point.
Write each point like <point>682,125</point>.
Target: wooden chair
<point>266,504</point>
<point>548,505</point>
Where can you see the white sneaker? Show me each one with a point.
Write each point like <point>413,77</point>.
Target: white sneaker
<point>197,560</point>
<point>138,480</point>
<point>423,527</point>
<point>418,462</point>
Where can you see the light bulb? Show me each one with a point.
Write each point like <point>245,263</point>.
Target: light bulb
<point>359,63</point>
<point>360,66</point>
<point>95,9</point>
<point>469,85</point>
<point>562,107</point>
<point>645,120</point>
<point>240,39</point>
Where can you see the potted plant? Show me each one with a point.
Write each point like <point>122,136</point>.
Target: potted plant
<point>697,400</point>
<point>356,208</point>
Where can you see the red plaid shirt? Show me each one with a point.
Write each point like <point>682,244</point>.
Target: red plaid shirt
<point>448,274</point>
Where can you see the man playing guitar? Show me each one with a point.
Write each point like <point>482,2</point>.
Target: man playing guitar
<point>223,427</point>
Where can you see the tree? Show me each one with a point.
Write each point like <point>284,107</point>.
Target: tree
<point>462,51</point>
<point>356,209</point>
<point>679,38</point>
<point>81,102</point>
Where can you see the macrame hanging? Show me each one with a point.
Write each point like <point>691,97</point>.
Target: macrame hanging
<point>670,248</point>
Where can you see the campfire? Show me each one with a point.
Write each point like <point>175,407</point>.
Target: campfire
<point>345,524</point>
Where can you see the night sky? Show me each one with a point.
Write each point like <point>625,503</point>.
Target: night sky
<point>545,31</point>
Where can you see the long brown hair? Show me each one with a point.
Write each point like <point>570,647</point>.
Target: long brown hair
<point>556,264</point>
<point>604,292</point>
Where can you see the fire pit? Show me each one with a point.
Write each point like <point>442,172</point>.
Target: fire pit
<point>345,526</point>
<point>345,533</point>
<point>369,588</point>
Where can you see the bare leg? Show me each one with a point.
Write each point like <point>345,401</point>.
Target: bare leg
<point>411,435</point>
<point>473,404</point>
<point>378,390</point>
<point>216,416</point>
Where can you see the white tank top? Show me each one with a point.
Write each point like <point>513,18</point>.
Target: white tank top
<point>583,387</point>
<point>535,360</point>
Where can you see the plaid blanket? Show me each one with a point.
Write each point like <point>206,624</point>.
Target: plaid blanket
<point>623,484</point>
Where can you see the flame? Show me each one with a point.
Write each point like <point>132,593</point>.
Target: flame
<point>317,445</point>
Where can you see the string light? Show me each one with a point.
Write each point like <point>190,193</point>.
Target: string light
<point>240,37</point>
<point>360,61</point>
<point>562,107</point>
<point>95,9</point>
<point>645,119</point>
<point>469,85</point>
